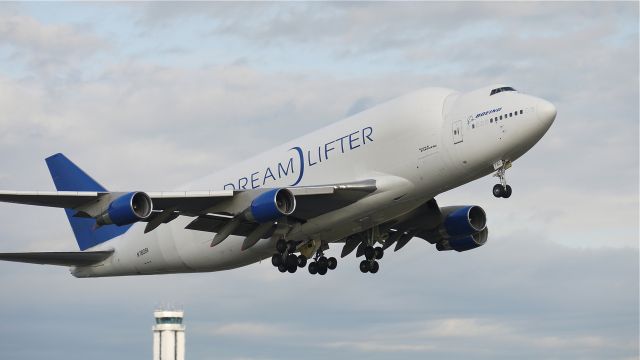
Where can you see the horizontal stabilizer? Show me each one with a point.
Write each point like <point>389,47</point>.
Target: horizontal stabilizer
<point>74,258</point>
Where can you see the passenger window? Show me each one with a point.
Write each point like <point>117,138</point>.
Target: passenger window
<point>510,114</point>
<point>473,126</point>
<point>500,117</point>
<point>520,112</point>
<point>491,120</point>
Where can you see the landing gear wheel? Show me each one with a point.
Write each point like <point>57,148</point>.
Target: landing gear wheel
<point>282,268</point>
<point>332,263</point>
<point>276,260</point>
<point>302,261</point>
<point>313,268</point>
<point>379,253</point>
<point>498,190</point>
<point>507,192</point>
<point>364,266</point>
<point>323,262</point>
<point>281,246</point>
<point>374,267</point>
<point>292,261</point>
<point>369,252</point>
<point>322,269</point>
<point>293,268</point>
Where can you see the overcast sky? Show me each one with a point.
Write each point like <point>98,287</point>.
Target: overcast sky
<point>150,96</point>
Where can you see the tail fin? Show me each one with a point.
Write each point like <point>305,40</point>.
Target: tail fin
<point>67,176</point>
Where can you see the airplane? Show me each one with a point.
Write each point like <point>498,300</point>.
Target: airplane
<point>367,182</point>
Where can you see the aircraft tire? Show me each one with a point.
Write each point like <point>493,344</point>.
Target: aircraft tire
<point>322,269</point>
<point>292,261</point>
<point>282,268</point>
<point>369,252</point>
<point>379,253</point>
<point>323,262</point>
<point>374,267</point>
<point>364,266</point>
<point>507,192</point>
<point>332,263</point>
<point>276,260</point>
<point>313,268</point>
<point>498,190</point>
<point>281,246</point>
<point>302,261</point>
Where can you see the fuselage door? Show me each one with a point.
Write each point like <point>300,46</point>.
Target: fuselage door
<point>457,132</point>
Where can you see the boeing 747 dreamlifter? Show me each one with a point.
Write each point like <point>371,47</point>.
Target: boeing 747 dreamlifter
<point>368,182</point>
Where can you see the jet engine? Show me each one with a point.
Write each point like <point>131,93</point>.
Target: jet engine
<point>462,221</point>
<point>463,228</point>
<point>466,243</point>
<point>126,209</point>
<point>271,205</point>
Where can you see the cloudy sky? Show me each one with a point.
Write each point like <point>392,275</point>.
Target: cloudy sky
<point>150,96</point>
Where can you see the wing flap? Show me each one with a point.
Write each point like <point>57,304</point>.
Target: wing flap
<point>58,258</point>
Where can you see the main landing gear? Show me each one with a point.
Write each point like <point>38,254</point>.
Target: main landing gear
<point>285,260</point>
<point>371,254</point>
<point>321,263</point>
<point>502,190</point>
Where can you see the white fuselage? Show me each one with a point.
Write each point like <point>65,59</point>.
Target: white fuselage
<point>415,147</point>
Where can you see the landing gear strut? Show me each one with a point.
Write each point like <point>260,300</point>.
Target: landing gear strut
<point>321,264</point>
<point>371,253</point>
<point>285,259</point>
<point>502,190</point>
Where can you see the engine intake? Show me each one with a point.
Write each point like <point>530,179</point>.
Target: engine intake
<point>464,221</point>
<point>127,209</point>
<point>271,205</point>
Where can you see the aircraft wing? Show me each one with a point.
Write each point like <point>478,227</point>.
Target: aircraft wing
<point>58,258</point>
<point>211,208</point>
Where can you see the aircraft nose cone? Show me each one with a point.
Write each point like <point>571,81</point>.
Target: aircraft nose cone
<point>546,111</point>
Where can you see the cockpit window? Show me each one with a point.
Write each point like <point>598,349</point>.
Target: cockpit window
<point>498,90</point>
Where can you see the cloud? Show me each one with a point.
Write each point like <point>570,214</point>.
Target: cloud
<point>248,329</point>
<point>47,48</point>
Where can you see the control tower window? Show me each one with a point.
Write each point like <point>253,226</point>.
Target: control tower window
<point>499,90</point>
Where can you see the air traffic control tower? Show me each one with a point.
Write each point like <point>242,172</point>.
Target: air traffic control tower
<point>168,335</point>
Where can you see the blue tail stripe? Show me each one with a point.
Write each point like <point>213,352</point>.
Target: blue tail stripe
<point>67,176</point>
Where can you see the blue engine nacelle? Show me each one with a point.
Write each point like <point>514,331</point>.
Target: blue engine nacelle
<point>271,205</point>
<point>463,221</point>
<point>127,209</point>
<point>464,243</point>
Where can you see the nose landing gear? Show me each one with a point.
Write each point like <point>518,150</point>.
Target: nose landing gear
<point>502,190</point>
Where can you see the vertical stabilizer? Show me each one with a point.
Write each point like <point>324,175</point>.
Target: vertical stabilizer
<point>67,176</point>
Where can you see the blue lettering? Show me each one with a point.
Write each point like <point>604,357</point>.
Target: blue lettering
<point>254,180</point>
<point>241,185</point>
<point>342,142</point>
<point>229,185</point>
<point>268,174</point>
<point>283,170</point>
<point>327,149</point>
<point>309,159</point>
<point>366,130</point>
<point>352,140</point>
